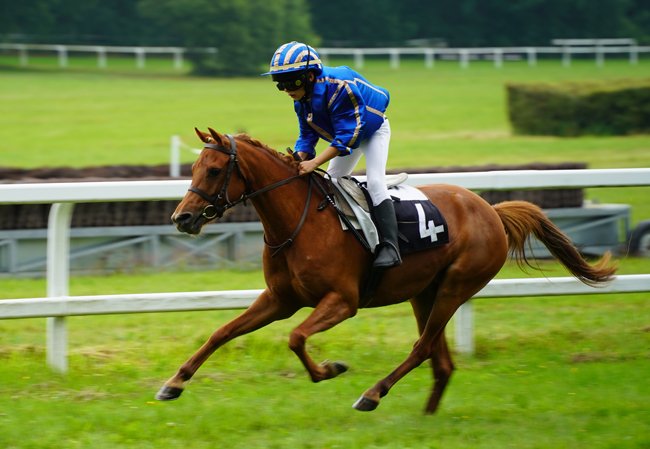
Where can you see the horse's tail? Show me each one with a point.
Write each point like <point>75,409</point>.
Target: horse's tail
<point>521,219</point>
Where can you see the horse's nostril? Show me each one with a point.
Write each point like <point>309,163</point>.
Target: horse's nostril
<point>182,217</point>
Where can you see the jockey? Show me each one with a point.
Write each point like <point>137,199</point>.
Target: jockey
<point>340,106</point>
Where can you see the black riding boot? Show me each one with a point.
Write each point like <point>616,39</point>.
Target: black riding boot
<point>387,253</point>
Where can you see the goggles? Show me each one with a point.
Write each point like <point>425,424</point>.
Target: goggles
<point>292,84</point>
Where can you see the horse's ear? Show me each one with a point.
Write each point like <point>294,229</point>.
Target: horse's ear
<point>203,136</point>
<point>216,136</point>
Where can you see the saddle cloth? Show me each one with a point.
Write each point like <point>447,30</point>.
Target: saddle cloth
<point>420,224</point>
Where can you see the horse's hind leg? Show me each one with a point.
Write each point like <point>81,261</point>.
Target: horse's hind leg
<point>264,310</point>
<point>443,367</point>
<point>453,292</point>
<point>441,362</point>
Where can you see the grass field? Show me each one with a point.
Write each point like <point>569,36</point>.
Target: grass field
<point>440,116</point>
<point>565,372</point>
<point>444,116</point>
<point>548,373</point>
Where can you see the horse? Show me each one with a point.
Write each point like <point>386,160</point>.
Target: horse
<point>310,261</point>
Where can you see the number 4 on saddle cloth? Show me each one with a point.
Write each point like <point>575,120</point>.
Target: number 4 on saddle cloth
<point>421,225</point>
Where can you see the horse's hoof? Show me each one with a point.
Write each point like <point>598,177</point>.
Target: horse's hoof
<point>333,369</point>
<point>364,404</point>
<point>168,393</point>
<point>338,368</point>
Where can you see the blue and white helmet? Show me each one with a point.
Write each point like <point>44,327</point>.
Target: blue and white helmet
<point>294,56</point>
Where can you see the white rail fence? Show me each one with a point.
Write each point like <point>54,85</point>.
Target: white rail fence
<point>59,304</point>
<point>140,53</point>
<point>497,54</point>
<point>565,49</point>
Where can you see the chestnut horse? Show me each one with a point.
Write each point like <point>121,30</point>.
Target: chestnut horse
<point>309,261</point>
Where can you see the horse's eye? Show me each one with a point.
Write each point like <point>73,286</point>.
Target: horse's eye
<point>213,172</point>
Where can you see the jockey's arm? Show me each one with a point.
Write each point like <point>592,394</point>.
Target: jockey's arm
<point>311,165</point>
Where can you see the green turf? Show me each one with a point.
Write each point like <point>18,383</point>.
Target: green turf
<point>548,372</point>
<point>565,372</point>
<point>439,116</point>
<point>443,116</point>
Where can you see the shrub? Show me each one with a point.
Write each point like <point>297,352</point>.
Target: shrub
<point>607,108</point>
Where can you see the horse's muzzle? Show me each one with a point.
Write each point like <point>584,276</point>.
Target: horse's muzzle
<point>188,222</point>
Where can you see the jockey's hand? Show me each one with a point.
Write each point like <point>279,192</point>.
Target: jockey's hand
<point>307,167</point>
<point>305,156</point>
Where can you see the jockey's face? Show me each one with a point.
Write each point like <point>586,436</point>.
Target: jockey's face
<point>295,87</point>
<point>297,95</point>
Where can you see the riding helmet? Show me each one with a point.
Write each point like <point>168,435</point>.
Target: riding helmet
<point>293,57</point>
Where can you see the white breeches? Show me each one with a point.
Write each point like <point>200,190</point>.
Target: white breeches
<point>376,151</point>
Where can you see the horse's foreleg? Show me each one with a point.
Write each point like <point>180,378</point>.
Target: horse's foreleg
<point>264,310</point>
<point>330,311</point>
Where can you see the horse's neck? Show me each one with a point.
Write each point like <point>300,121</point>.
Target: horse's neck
<point>279,209</point>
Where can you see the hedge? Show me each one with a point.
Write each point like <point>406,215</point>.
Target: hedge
<point>571,109</point>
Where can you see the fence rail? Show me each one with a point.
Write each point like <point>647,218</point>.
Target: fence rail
<point>60,304</point>
<point>88,305</point>
<point>102,51</point>
<point>496,54</point>
<point>566,49</point>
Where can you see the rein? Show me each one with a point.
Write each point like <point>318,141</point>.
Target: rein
<point>216,210</point>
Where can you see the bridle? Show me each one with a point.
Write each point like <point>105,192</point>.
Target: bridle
<point>218,204</point>
<point>214,209</point>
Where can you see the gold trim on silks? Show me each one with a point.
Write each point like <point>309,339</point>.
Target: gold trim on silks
<point>339,86</point>
<point>300,64</point>
<point>318,129</point>
<point>375,111</point>
<point>357,115</point>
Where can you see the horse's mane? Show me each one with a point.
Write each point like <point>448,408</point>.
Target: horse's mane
<point>256,143</point>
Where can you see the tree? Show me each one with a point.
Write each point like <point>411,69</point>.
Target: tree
<point>477,22</point>
<point>244,32</point>
<point>359,23</point>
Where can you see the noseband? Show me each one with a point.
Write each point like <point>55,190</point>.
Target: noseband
<point>214,209</point>
<point>220,203</point>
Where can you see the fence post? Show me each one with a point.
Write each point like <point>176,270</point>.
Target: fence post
<point>464,58</point>
<point>532,57</point>
<point>465,329</point>
<point>634,54</point>
<point>498,58</point>
<point>429,58</point>
<point>63,55</point>
<point>178,59</point>
<point>566,56</point>
<point>58,273</point>
<point>139,57</point>
<point>394,58</point>
<point>600,56</point>
<point>358,59</point>
<point>175,157</point>
<point>101,57</point>
<point>24,58</point>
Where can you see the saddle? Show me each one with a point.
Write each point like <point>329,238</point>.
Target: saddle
<point>420,223</point>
